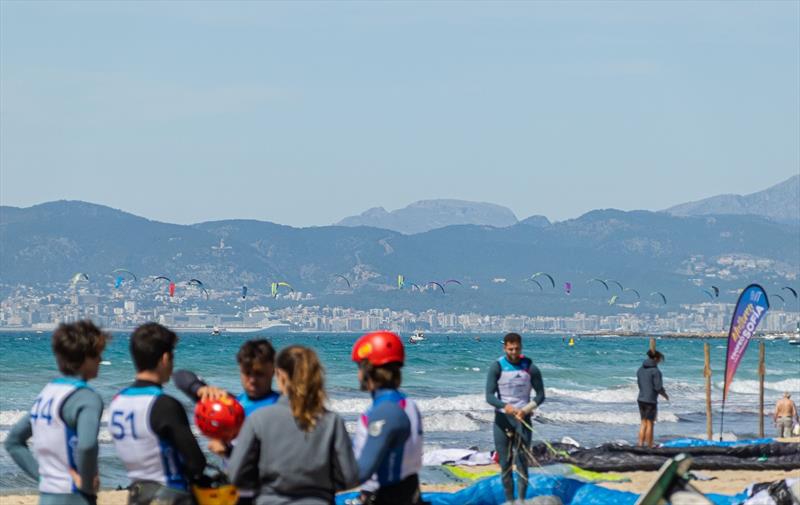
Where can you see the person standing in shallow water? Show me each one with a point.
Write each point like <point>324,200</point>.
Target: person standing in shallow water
<point>651,385</point>
<point>785,413</point>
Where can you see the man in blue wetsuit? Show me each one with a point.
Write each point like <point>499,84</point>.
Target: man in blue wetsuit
<point>64,421</point>
<point>388,439</point>
<point>508,389</point>
<point>256,360</point>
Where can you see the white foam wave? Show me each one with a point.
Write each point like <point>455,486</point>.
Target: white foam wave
<point>466,403</point>
<point>751,387</point>
<point>10,417</point>
<point>625,394</point>
<point>450,421</point>
<point>629,418</point>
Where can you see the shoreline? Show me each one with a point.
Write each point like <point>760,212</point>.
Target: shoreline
<point>599,333</point>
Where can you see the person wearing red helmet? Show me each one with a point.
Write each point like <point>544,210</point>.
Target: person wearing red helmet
<point>388,439</point>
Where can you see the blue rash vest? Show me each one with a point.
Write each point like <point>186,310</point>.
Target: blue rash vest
<point>251,405</point>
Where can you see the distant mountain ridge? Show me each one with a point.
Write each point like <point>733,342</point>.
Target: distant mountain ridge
<point>780,202</point>
<point>426,215</point>
<point>649,251</point>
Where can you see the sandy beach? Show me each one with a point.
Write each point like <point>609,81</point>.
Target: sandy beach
<point>723,482</point>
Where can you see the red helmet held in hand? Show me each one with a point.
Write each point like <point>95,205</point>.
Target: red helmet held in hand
<point>379,348</point>
<point>219,418</point>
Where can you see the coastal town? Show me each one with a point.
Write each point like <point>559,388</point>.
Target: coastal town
<point>33,309</point>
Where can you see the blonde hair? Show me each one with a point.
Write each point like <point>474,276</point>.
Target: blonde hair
<point>306,385</point>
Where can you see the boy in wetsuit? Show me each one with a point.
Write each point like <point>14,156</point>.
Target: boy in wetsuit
<point>256,360</point>
<point>150,429</point>
<point>388,439</point>
<point>508,389</point>
<point>64,421</point>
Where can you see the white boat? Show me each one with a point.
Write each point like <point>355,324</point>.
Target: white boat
<point>417,337</point>
<point>272,327</point>
<point>216,331</point>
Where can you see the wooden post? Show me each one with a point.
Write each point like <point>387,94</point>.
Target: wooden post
<point>707,375</point>
<point>652,343</point>
<point>761,374</point>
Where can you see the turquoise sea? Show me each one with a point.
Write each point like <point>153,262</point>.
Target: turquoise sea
<point>591,388</point>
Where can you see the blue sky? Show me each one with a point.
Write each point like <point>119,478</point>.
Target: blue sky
<point>303,113</point>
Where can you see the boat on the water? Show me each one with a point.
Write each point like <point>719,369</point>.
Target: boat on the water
<point>417,337</point>
<point>216,331</point>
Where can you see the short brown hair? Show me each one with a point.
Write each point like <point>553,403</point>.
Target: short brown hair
<point>149,342</point>
<point>73,343</point>
<point>255,352</point>
<point>388,376</point>
<point>512,338</point>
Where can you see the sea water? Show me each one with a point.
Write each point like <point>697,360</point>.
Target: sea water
<point>591,386</point>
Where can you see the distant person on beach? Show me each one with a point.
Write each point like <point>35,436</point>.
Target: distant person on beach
<point>508,389</point>
<point>785,415</point>
<point>650,386</point>
<point>256,359</point>
<point>300,451</point>
<point>388,439</point>
<point>64,421</point>
<point>150,429</point>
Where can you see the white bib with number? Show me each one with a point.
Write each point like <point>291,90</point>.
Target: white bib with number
<point>53,441</point>
<point>145,455</point>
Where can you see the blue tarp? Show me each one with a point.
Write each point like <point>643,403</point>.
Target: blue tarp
<point>696,442</point>
<point>489,491</point>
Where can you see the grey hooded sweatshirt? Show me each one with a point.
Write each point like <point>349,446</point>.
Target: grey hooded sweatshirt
<point>650,384</point>
<point>294,466</point>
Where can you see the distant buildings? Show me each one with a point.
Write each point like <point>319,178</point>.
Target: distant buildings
<point>29,307</point>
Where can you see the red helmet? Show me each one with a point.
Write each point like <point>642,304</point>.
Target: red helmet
<point>221,419</point>
<point>379,348</point>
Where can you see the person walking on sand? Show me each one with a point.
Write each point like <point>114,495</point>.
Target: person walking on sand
<point>508,389</point>
<point>785,414</point>
<point>388,439</point>
<point>64,421</point>
<point>150,429</point>
<point>299,449</point>
<point>650,387</point>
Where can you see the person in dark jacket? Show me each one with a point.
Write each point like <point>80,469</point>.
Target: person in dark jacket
<point>650,386</point>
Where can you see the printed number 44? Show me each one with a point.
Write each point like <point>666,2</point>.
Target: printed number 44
<point>119,423</point>
<point>41,410</point>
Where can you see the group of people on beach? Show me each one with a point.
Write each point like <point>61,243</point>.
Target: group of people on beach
<point>291,448</point>
<point>295,451</point>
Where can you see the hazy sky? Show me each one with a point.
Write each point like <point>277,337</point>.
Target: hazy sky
<point>303,113</point>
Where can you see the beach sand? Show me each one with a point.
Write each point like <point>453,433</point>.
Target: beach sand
<point>724,482</point>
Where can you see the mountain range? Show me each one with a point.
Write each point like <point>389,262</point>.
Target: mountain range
<point>648,251</point>
<point>780,203</point>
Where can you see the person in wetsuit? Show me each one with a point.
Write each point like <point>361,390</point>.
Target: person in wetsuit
<point>256,359</point>
<point>388,439</point>
<point>64,421</point>
<point>508,389</point>
<point>150,429</point>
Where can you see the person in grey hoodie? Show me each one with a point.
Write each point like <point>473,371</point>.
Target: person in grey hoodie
<point>299,449</point>
<point>650,386</point>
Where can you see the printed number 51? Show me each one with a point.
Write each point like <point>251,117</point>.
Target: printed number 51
<point>118,423</point>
